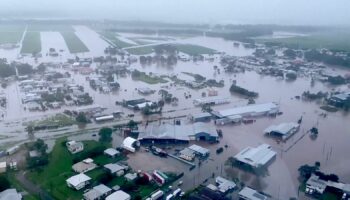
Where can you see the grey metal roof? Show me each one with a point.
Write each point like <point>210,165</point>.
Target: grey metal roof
<point>179,132</point>
<point>251,194</point>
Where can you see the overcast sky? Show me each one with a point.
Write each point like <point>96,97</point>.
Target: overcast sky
<point>291,12</point>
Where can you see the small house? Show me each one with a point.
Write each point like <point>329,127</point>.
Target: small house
<point>78,181</point>
<point>75,147</point>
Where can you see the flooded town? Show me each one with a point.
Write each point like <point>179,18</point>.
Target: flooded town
<point>129,109</point>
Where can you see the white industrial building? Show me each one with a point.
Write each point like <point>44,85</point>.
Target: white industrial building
<point>254,110</point>
<point>211,100</point>
<point>282,131</point>
<point>256,157</point>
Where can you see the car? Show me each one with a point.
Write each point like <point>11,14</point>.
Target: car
<point>180,183</point>
<point>182,194</point>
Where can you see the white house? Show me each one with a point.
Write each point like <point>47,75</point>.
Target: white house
<point>111,152</point>
<point>75,147</point>
<point>10,194</point>
<point>119,195</point>
<point>78,181</point>
<point>116,169</point>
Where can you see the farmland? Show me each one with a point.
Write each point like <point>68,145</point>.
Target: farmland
<point>74,44</point>
<point>31,43</point>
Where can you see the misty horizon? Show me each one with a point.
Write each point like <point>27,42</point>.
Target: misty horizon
<point>298,12</point>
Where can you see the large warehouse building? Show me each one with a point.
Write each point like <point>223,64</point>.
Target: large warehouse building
<point>168,132</point>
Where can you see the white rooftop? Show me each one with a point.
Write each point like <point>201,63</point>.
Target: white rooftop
<point>256,157</point>
<point>114,167</point>
<point>111,152</point>
<point>10,194</point>
<point>248,110</point>
<point>118,195</point>
<point>224,184</point>
<point>78,179</point>
<point>283,128</point>
<point>199,149</point>
<point>251,194</point>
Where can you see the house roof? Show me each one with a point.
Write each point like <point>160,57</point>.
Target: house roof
<point>113,168</point>
<point>97,192</point>
<point>10,194</point>
<point>224,184</point>
<point>78,179</point>
<point>252,194</point>
<point>111,152</point>
<point>83,166</point>
<point>199,149</point>
<point>256,157</point>
<point>103,189</point>
<point>118,195</point>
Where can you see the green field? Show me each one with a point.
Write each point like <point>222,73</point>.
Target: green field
<point>192,49</point>
<point>10,34</point>
<point>53,177</point>
<point>112,38</point>
<point>142,76</point>
<point>31,43</point>
<point>74,44</point>
<point>331,40</point>
<point>140,50</point>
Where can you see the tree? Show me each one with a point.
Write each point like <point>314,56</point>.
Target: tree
<point>24,69</point>
<point>4,183</point>
<point>291,76</point>
<point>105,134</point>
<point>132,124</point>
<point>81,118</point>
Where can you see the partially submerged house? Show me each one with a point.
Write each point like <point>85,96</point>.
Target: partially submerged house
<point>257,157</point>
<point>316,186</point>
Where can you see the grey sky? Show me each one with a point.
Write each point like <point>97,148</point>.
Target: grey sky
<point>305,12</point>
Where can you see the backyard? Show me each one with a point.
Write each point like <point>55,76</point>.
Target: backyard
<point>53,176</point>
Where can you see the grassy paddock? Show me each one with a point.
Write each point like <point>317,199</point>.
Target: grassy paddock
<point>74,44</point>
<point>331,40</point>
<point>192,49</point>
<point>112,37</point>
<point>140,50</point>
<point>11,34</point>
<point>31,43</point>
